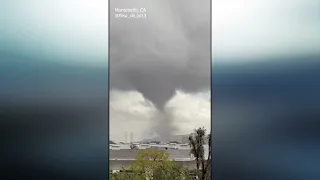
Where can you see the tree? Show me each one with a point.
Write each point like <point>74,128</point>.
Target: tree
<point>153,164</point>
<point>197,140</point>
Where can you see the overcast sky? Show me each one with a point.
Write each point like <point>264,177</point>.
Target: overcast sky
<point>158,67</point>
<point>239,27</point>
<point>76,31</point>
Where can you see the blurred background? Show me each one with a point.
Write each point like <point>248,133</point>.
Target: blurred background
<point>265,89</point>
<point>54,89</point>
<point>265,84</point>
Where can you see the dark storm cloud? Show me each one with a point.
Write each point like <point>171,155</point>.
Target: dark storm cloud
<point>166,51</point>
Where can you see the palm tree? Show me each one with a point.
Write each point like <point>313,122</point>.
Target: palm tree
<point>197,140</point>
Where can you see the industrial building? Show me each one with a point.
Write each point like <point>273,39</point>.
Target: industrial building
<point>122,155</point>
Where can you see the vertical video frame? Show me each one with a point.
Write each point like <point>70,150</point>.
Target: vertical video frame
<point>160,88</point>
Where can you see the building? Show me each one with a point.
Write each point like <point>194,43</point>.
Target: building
<point>184,139</point>
<point>122,156</point>
<point>166,139</point>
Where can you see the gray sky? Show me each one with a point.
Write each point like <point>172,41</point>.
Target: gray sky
<point>242,30</point>
<point>239,27</point>
<point>157,65</point>
<point>77,30</point>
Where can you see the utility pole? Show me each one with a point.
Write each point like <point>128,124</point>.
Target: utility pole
<point>126,137</point>
<point>131,137</point>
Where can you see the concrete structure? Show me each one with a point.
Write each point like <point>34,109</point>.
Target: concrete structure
<point>121,155</point>
<point>167,139</point>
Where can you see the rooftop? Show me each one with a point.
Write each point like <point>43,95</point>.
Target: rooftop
<point>177,152</point>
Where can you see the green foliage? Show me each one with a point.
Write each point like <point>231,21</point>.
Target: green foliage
<point>118,176</point>
<point>153,164</point>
